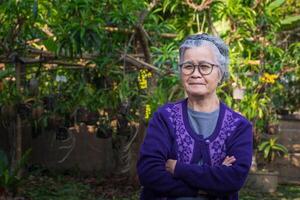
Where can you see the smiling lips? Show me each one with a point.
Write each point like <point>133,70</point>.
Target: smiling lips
<point>196,83</point>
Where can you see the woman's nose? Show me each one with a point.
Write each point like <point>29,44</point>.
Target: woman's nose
<point>196,73</point>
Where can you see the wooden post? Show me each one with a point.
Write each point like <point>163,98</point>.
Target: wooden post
<point>18,136</point>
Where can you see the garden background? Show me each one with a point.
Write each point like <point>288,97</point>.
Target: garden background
<point>79,80</point>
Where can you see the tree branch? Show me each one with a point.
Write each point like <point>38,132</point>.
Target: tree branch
<point>139,63</point>
<point>142,36</point>
<point>43,60</point>
<point>204,5</point>
<point>129,31</point>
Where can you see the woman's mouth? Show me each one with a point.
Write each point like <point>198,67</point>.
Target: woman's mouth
<point>196,83</point>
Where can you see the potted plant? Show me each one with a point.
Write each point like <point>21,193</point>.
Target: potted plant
<point>104,129</point>
<point>266,179</point>
<point>86,116</point>
<point>37,111</point>
<point>272,126</point>
<point>10,178</point>
<point>33,86</point>
<point>9,99</point>
<point>271,149</point>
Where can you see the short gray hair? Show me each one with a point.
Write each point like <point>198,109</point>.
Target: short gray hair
<point>220,49</point>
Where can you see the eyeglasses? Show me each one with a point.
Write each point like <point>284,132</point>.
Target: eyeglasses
<point>204,68</point>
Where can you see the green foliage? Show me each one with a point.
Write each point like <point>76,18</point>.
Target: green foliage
<point>271,149</point>
<point>263,40</point>
<point>58,188</point>
<point>9,177</point>
<point>9,94</point>
<point>283,192</point>
<point>168,90</point>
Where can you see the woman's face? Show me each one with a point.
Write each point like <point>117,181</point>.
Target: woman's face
<point>197,84</point>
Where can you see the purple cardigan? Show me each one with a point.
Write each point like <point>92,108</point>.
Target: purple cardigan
<point>170,136</point>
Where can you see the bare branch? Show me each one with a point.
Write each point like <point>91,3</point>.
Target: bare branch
<point>204,5</point>
<point>44,61</point>
<point>139,63</point>
<point>144,42</point>
<point>143,36</point>
<point>129,31</point>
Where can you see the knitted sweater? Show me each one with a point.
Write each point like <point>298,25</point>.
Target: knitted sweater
<point>170,136</point>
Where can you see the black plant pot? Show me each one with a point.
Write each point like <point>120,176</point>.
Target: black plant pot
<point>8,112</point>
<point>49,102</point>
<point>62,133</point>
<point>55,121</point>
<point>92,118</point>
<point>86,116</point>
<point>23,110</point>
<point>104,133</point>
<point>37,112</point>
<point>283,112</point>
<point>36,129</point>
<point>81,115</point>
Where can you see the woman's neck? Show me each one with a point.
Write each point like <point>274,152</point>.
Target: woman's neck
<point>204,104</point>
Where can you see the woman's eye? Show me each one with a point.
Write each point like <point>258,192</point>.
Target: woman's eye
<point>205,67</point>
<point>188,66</point>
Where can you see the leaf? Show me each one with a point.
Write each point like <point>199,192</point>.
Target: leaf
<point>3,162</point>
<point>290,20</point>
<point>6,177</point>
<point>35,9</point>
<point>51,45</point>
<point>5,73</point>
<point>260,113</point>
<point>263,145</point>
<point>173,7</point>
<point>267,151</point>
<point>275,4</point>
<point>82,33</point>
<point>165,5</point>
<point>273,142</point>
<point>280,148</point>
<point>21,163</point>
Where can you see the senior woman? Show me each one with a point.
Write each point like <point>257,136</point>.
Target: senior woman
<point>197,148</point>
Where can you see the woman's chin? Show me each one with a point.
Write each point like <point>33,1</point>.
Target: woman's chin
<point>197,93</point>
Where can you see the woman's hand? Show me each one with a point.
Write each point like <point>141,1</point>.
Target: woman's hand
<point>170,165</point>
<point>228,161</point>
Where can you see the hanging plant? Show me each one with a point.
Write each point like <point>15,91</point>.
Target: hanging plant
<point>104,128</point>
<point>24,110</point>
<point>104,131</point>
<point>55,120</point>
<point>62,133</point>
<point>8,112</point>
<point>37,111</point>
<point>33,86</point>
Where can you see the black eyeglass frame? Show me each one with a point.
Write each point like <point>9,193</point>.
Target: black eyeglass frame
<point>198,66</point>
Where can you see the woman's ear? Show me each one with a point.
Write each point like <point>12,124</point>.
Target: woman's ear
<point>221,77</point>
<point>179,74</point>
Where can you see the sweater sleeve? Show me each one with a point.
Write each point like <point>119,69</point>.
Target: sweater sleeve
<point>222,180</point>
<point>155,151</point>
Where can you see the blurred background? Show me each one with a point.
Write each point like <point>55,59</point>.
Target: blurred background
<point>79,80</point>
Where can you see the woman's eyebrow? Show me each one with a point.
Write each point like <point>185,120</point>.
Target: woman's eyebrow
<point>187,61</point>
<point>198,62</point>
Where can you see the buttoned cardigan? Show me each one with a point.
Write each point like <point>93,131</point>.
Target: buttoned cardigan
<point>170,136</point>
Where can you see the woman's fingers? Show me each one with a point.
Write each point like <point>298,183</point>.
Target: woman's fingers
<point>170,165</point>
<point>229,160</point>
